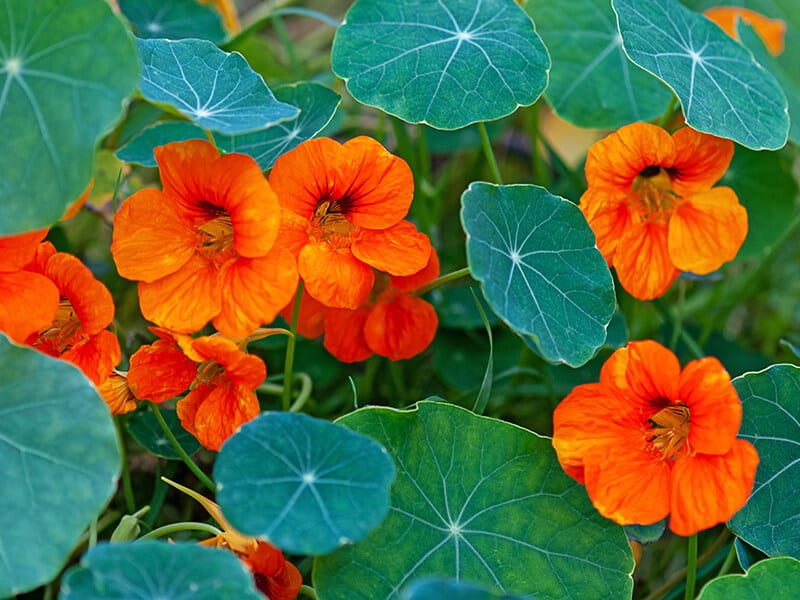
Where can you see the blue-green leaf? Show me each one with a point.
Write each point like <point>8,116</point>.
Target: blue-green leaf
<point>540,268</point>
<point>173,19</point>
<point>772,579</point>
<point>66,69</point>
<point>447,63</point>
<point>438,589</point>
<point>723,91</point>
<point>145,429</point>
<point>306,485</point>
<point>215,89</point>
<point>59,462</point>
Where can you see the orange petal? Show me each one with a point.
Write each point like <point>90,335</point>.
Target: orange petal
<point>652,373</point>
<point>293,232</point>
<point>400,325</point>
<point>771,31</point>
<point>182,167</point>
<point>28,304</point>
<point>18,250</point>
<point>701,160</point>
<point>334,276</point>
<point>150,241</point>
<point>116,394</point>
<point>344,334</point>
<point>710,489</point>
<point>409,283</point>
<point>398,250</point>
<point>310,319</point>
<point>213,413</point>
<point>89,297</point>
<point>715,409</point>
<point>185,300</point>
<point>160,371</point>
<point>608,215</point>
<point>242,369</point>
<point>254,290</point>
<point>642,261</point>
<point>707,230</point>
<point>96,356</point>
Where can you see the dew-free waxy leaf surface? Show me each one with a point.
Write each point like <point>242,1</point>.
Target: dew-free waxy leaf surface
<point>306,485</point>
<point>59,463</point>
<point>722,90</point>
<point>477,500</point>
<point>145,429</point>
<point>215,89</point>
<point>446,63</point>
<point>540,268</point>
<point>173,19</point>
<point>66,68</point>
<point>771,579</point>
<point>770,521</point>
<point>437,589</point>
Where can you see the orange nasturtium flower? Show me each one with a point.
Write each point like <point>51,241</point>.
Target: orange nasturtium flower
<point>652,207</point>
<point>771,31</point>
<point>117,394</point>
<point>651,439</point>
<point>230,18</point>
<point>203,248</point>
<point>344,208</point>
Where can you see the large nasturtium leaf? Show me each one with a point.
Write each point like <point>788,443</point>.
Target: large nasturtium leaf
<point>438,589</point>
<point>592,82</point>
<point>772,579</point>
<point>539,267</point>
<point>306,485</point>
<point>153,569</point>
<point>66,68</point>
<point>215,89</point>
<point>173,19</point>
<point>145,429</point>
<point>481,501</point>
<point>59,463</point>
<point>771,404</point>
<point>447,63</point>
<point>723,91</point>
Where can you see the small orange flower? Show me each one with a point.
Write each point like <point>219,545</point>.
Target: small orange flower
<point>116,393</point>
<point>652,207</point>
<point>343,216</point>
<point>203,248</point>
<point>651,439</point>
<point>160,371</point>
<point>771,31</point>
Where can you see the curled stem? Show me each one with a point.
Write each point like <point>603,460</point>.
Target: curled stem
<point>204,479</point>
<point>183,526</point>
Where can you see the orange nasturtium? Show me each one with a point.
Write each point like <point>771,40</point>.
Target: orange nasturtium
<point>651,440</point>
<point>343,215</point>
<point>771,31</point>
<point>652,206</point>
<point>204,248</point>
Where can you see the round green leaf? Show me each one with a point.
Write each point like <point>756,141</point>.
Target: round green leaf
<point>151,569</point>
<point>481,501</point>
<point>145,429</point>
<point>772,579</point>
<point>437,589</point>
<point>746,554</point>
<point>447,63</point>
<point>59,462</point>
<point>173,19</point>
<point>646,534</point>
<point>723,91</point>
<point>586,48</point>
<point>539,267</point>
<point>140,149</point>
<point>66,69</point>
<point>306,485</point>
<point>771,403</point>
<point>215,89</point>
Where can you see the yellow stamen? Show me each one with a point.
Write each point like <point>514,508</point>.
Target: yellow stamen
<point>217,237</point>
<point>330,221</point>
<point>652,198</point>
<point>669,429</point>
<point>64,330</point>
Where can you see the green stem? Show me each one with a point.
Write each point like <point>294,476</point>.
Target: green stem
<point>446,278</point>
<point>367,381</point>
<point>288,365</point>
<point>288,45</point>
<point>669,112</point>
<point>176,527</point>
<point>395,372</point>
<point>211,139</point>
<point>157,499</point>
<point>127,488</point>
<point>273,389</point>
<point>489,153</point>
<point>308,591</point>
<point>540,172</point>
<point>404,146</point>
<point>93,533</point>
<point>204,479</point>
<point>691,568</point>
<point>305,392</point>
<point>677,323</point>
<point>728,563</point>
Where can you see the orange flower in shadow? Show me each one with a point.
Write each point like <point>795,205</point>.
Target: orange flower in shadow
<point>203,248</point>
<point>652,207</point>
<point>343,214</point>
<point>651,439</point>
<point>771,31</point>
<point>116,393</point>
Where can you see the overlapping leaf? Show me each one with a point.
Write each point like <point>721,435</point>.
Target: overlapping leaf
<point>58,460</point>
<point>173,19</point>
<point>215,89</point>
<point>447,63</point>
<point>66,68</point>
<point>772,579</point>
<point>592,82</point>
<point>437,589</point>
<point>723,91</point>
<point>481,501</point>
<point>306,485</point>
<point>540,269</point>
<point>145,429</point>
<point>770,521</point>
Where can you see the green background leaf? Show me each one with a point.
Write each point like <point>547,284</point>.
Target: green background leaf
<point>540,269</point>
<point>306,485</point>
<point>771,402</point>
<point>66,68</point>
<point>59,462</point>
<point>773,579</point>
<point>438,589</point>
<point>152,569</point>
<point>145,429</point>
<point>446,64</point>
<point>478,500</point>
<point>592,82</point>
<point>173,19</point>
<point>215,89</point>
<point>723,91</point>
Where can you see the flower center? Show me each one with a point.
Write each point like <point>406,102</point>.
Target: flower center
<point>64,332</point>
<point>216,243</point>
<point>652,198</point>
<point>668,429</point>
<point>208,372</point>
<point>330,224</point>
